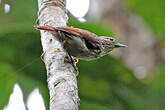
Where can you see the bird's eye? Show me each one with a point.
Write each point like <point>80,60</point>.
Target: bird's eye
<point>111,39</point>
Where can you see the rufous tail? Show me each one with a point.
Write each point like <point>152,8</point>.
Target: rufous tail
<point>46,28</point>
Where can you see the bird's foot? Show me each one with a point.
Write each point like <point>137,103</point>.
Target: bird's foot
<point>70,60</point>
<point>77,73</point>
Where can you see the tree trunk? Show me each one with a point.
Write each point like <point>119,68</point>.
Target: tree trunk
<point>61,78</point>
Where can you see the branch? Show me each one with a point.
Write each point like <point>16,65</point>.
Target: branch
<point>61,78</point>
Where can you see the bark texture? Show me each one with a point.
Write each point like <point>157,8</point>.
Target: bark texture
<point>61,78</point>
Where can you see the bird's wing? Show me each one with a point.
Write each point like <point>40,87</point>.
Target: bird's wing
<point>90,38</point>
<point>69,30</point>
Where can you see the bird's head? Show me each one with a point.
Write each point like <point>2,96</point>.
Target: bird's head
<point>109,43</point>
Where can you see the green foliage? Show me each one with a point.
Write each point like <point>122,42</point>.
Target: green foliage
<point>159,82</point>
<point>104,84</point>
<point>94,27</point>
<point>7,80</point>
<point>97,90</point>
<point>84,105</point>
<point>152,11</point>
<point>24,49</point>
<point>20,63</point>
<point>22,16</point>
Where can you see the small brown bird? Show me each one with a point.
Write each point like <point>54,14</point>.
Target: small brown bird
<point>81,43</point>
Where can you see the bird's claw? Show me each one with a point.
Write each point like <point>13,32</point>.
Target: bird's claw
<point>77,73</point>
<point>69,59</point>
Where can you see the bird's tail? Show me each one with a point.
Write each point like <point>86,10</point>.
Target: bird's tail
<point>46,28</point>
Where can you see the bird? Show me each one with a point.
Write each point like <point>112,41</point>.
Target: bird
<point>81,43</point>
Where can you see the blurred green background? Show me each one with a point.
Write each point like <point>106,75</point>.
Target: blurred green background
<point>115,88</point>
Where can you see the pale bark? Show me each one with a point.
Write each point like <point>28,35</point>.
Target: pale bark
<point>61,78</point>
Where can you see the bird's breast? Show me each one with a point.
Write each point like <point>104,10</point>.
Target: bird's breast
<point>78,48</point>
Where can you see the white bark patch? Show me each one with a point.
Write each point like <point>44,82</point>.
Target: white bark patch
<point>61,76</point>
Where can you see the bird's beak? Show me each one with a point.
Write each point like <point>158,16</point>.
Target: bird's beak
<point>117,45</point>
